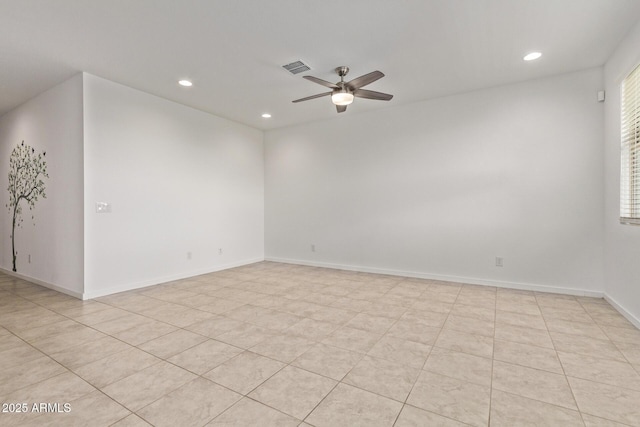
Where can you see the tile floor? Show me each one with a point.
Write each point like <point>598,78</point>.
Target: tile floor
<point>276,345</point>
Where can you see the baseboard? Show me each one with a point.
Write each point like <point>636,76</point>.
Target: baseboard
<point>446,278</point>
<point>419,275</point>
<point>626,313</point>
<point>42,283</point>
<point>165,279</point>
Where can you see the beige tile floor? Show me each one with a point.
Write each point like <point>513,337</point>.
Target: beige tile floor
<point>276,345</point>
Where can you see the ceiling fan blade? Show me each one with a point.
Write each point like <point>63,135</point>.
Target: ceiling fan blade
<point>341,108</point>
<point>321,82</point>
<point>370,94</point>
<point>320,95</point>
<point>362,81</point>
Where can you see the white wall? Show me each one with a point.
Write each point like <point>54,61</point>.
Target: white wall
<point>442,187</point>
<point>178,180</point>
<point>622,242</point>
<point>50,122</point>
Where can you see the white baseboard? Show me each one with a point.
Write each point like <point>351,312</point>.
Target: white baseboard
<point>164,279</point>
<point>420,275</point>
<point>42,283</point>
<point>626,313</point>
<point>457,279</point>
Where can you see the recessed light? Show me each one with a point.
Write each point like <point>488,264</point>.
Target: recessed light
<point>266,116</point>
<point>531,56</point>
<point>185,83</point>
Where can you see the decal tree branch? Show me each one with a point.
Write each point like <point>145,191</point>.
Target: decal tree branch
<point>26,173</point>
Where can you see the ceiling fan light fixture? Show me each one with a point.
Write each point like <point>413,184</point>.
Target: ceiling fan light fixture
<point>342,97</point>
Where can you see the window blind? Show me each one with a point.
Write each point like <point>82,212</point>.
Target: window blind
<point>630,150</point>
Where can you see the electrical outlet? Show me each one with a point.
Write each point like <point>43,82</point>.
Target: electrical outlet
<point>499,261</point>
<point>219,251</point>
<point>189,255</point>
<point>313,248</point>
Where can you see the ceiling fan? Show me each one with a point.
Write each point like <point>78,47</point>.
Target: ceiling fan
<point>342,93</point>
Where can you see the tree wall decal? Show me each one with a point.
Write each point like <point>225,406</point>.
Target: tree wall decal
<point>26,172</point>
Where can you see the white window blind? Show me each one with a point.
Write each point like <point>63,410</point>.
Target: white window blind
<point>630,150</point>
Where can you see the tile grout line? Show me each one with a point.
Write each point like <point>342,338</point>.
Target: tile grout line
<point>425,361</point>
<point>562,367</point>
<point>493,359</point>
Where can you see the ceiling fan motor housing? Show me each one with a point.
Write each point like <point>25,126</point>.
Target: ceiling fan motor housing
<point>337,96</point>
<point>342,71</point>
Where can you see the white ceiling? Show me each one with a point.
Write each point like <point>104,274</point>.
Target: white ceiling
<point>233,50</point>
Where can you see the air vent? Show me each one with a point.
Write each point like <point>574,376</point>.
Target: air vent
<point>296,67</point>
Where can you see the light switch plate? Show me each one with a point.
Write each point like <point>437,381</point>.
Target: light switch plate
<point>103,207</point>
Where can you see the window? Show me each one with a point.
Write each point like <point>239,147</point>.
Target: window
<point>630,147</point>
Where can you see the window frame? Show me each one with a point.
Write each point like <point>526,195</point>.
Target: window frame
<point>630,148</point>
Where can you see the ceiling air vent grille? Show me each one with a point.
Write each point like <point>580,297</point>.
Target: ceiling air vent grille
<point>296,67</point>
